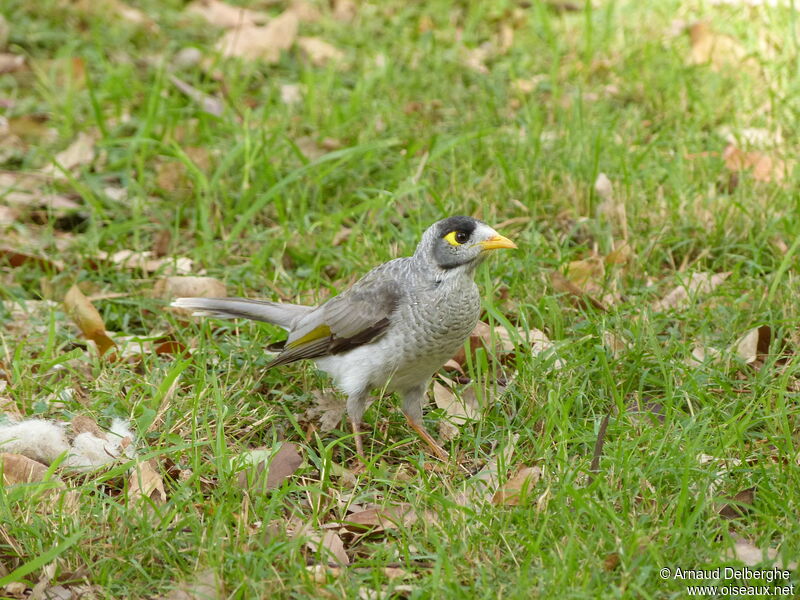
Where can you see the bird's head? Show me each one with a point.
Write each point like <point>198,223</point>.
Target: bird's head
<point>460,242</point>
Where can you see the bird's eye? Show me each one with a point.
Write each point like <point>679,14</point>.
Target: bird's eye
<point>456,238</point>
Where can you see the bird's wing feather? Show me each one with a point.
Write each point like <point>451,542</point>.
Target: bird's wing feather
<point>355,317</point>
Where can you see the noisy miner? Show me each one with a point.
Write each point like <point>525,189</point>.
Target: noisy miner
<point>393,328</point>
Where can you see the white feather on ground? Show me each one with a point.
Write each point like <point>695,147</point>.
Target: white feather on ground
<point>38,439</point>
<point>45,441</point>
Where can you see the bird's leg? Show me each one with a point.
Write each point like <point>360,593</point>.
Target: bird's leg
<point>412,409</point>
<point>357,437</point>
<point>356,404</point>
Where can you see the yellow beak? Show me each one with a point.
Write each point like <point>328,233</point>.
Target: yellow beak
<point>497,242</point>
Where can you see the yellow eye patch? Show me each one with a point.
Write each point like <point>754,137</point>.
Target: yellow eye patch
<point>450,238</point>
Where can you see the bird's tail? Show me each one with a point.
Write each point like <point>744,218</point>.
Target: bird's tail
<point>282,315</point>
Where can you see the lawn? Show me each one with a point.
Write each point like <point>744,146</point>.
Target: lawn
<point>640,361</point>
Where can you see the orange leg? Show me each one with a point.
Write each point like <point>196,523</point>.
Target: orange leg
<point>359,445</point>
<point>437,450</point>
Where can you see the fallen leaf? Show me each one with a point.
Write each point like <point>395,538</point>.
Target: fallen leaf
<point>145,482</point>
<point>745,551</point>
<point>764,167</point>
<point>739,505</point>
<point>495,340</point>
<point>253,42</point>
<point>88,320</point>
<point>701,354</point>
<point>518,487</point>
<point>333,544</point>
<point>132,15</point>
<point>11,62</point>
<point>146,261</point>
<point>17,468</point>
<point>205,585</point>
<point>563,285</point>
<point>83,424</point>
<point>344,10</point>
<point>752,136</point>
<point>318,51</point>
<point>291,93</point>
<point>541,346</point>
<point>329,408</point>
<point>322,573</point>
<point>221,14</point>
<point>189,287</point>
<point>477,489</point>
<point>17,258</point>
<point>697,284</point>
<point>80,152</point>
<point>282,465</point>
<point>305,11</point>
<point>457,410</point>
<point>718,50</point>
<point>378,519</point>
<point>615,344</point>
<point>475,58</point>
<point>208,103</point>
<point>754,345</point>
<point>586,274</point>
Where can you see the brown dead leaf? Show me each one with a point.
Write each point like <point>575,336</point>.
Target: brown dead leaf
<point>305,11</point>
<point>754,345</point>
<point>329,408</point>
<point>8,406</point>
<point>478,488</point>
<point>16,258</point>
<point>83,424</point>
<point>88,320</point>
<point>620,255</point>
<point>253,42</point>
<point>739,505</point>
<point>344,10</point>
<point>458,410</point>
<point>11,62</point>
<point>17,468</point>
<point>751,555</point>
<point>697,284</point>
<point>587,274</point>
<point>378,519</point>
<point>615,344</point>
<point>189,286</point>
<point>268,474</point>
<point>79,152</point>
<point>334,544</point>
<point>204,585</point>
<point>495,340</point>
<point>147,262</point>
<point>564,286</point>
<point>319,52</point>
<point>145,482</point>
<point>475,58</point>
<point>291,93</point>
<point>764,167</point>
<point>518,488</point>
<point>132,15</point>
<point>718,50</point>
<point>222,14</point>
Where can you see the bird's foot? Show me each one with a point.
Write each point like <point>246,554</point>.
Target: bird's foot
<point>436,449</point>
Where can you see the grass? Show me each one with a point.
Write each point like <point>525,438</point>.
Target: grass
<point>419,136</point>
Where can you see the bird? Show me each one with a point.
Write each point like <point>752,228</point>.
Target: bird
<point>392,329</point>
